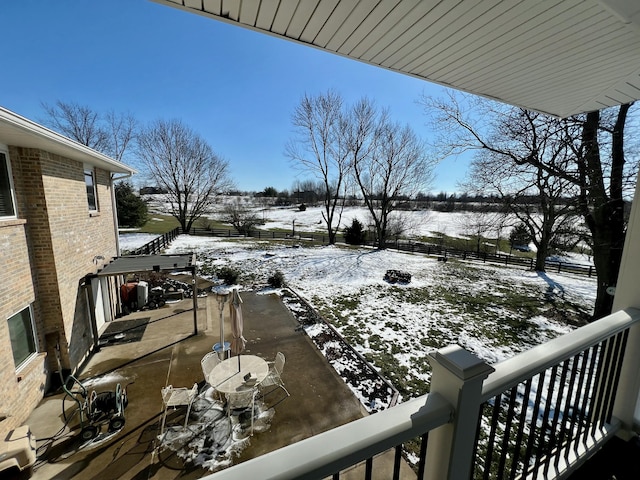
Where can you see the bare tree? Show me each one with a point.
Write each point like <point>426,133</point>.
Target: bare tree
<point>241,217</point>
<point>182,163</point>
<point>511,151</point>
<point>603,179</point>
<point>568,155</point>
<point>542,202</point>
<point>388,162</point>
<point>122,130</point>
<point>319,149</point>
<point>78,122</point>
<point>108,133</point>
<point>479,225</point>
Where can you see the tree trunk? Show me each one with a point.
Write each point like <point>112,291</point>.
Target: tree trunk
<point>541,257</point>
<point>607,254</point>
<point>604,214</point>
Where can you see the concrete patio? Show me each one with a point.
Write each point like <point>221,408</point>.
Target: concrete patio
<point>168,353</point>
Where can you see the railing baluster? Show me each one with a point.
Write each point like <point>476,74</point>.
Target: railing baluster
<point>624,336</point>
<point>542,445</point>
<point>368,468</point>
<point>506,435</point>
<point>578,420</point>
<point>596,354</point>
<point>557,413</point>
<point>396,462</point>
<point>604,364</point>
<point>423,454</point>
<point>568,401</point>
<point>534,421</point>
<point>476,442</point>
<point>520,431</point>
<point>610,377</point>
<point>492,436</point>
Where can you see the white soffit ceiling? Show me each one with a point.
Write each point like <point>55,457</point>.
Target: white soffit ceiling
<point>555,56</point>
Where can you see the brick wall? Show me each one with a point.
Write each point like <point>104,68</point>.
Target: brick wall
<point>20,391</point>
<point>47,253</point>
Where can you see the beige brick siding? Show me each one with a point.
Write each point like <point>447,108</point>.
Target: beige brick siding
<point>46,254</point>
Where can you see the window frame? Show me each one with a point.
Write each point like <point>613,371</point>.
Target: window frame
<point>90,172</point>
<point>34,337</point>
<point>4,151</point>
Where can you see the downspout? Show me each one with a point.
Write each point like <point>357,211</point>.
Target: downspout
<point>88,289</point>
<point>114,208</point>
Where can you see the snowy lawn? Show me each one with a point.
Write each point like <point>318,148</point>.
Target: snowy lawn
<point>131,241</point>
<point>493,311</point>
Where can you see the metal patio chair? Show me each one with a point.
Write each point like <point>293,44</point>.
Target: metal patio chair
<point>274,377</point>
<point>177,397</point>
<point>241,402</point>
<point>208,363</point>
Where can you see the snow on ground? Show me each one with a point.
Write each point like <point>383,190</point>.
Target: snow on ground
<point>493,311</point>
<point>131,241</point>
<point>419,222</point>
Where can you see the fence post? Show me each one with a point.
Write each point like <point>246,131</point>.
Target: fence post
<point>458,376</point>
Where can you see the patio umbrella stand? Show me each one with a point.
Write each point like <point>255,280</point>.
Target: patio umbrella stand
<point>238,343</point>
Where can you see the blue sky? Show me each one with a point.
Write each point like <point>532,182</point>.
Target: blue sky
<point>235,87</point>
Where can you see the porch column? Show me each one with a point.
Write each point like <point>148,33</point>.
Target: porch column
<point>457,376</point>
<point>627,294</point>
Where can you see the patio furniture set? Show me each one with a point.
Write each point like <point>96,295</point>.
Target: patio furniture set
<point>235,381</point>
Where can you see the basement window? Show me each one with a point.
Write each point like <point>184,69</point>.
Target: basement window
<point>90,182</point>
<point>22,335</point>
<point>7,194</point>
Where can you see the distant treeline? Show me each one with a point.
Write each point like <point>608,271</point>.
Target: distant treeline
<point>440,202</point>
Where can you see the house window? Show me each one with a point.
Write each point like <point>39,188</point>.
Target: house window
<point>22,335</point>
<point>7,200</point>
<point>90,182</point>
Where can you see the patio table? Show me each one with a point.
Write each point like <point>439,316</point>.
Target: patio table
<point>228,375</point>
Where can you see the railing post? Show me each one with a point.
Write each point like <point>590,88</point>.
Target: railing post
<point>457,376</point>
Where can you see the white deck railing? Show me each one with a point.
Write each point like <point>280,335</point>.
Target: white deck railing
<point>451,413</point>
<point>338,449</point>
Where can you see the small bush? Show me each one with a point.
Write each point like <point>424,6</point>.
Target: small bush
<point>276,280</point>
<point>228,275</point>
<point>302,207</point>
<point>355,234</point>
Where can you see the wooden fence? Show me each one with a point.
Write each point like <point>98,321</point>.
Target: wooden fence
<point>158,244</point>
<point>414,247</point>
